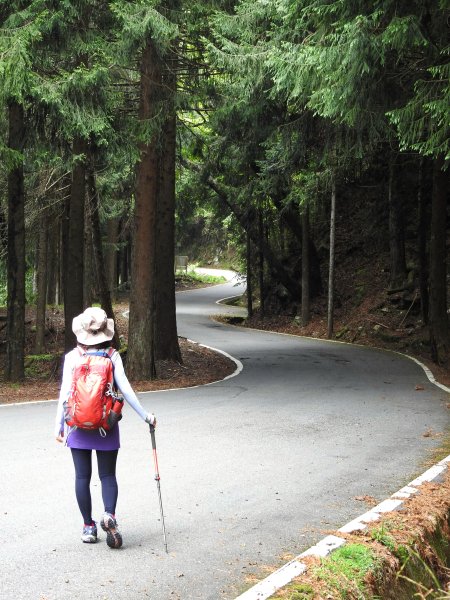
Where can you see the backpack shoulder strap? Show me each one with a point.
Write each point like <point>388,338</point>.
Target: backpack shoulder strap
<point>106,353</point>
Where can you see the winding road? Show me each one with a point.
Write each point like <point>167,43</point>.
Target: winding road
<point>252,468</point>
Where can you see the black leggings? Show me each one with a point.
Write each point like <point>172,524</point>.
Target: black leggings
<point>106,462</point>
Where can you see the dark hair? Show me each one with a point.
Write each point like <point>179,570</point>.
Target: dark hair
<point>101,346</point>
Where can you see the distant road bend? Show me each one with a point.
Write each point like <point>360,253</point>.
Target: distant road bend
<point>251,467</point>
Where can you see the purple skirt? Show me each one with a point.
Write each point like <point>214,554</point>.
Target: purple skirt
<point>85,439</point>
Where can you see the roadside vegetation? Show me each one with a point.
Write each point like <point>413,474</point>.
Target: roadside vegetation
<point>403,556</point>
<point>192,279</point>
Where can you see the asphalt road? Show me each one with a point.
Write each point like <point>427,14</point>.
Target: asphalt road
<point>252,468</point>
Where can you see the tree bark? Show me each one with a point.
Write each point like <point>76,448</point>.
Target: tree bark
<point>141,355</point>
<point>102,284</point>
<point>305,267</point>
<point>439,327</point>
<point>124,262</point>
<point>74,262</point>
<point>331,265</point>
<point>41,301</point>
<point>398,274</point>
<point>249,276</point>
<point>261,245</point>
<point>90,290</point>
<point>111,254</point>
<point>53,260</point>
<point>3,231</point>
<point>15,328</point>
<point>423,227</point>
<point>166,336</point>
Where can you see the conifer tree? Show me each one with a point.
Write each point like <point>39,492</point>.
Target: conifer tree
<point>375,76</point>
<point>20,30</point>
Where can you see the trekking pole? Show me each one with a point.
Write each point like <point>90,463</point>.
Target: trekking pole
<point>157,479</point>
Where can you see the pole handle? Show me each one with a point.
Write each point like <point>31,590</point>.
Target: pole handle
<point>152,433</point>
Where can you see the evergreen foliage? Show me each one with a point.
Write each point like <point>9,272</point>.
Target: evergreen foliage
<point>274,100</point>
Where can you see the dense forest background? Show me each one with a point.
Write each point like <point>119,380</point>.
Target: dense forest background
<point>283,138</point>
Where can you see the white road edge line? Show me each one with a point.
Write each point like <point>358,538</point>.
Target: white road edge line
<point>426,370</point>
<point>239,368</point>
<point>294,568</point>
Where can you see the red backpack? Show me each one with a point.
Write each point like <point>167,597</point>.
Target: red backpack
<point>93,402</point>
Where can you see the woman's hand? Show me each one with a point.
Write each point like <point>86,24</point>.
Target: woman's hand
<point>151,419</point>
<point>60,437</point>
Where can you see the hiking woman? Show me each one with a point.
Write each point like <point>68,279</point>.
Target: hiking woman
<point>94,332</point>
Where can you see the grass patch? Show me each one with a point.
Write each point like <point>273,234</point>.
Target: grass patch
<point>235,301</point>
<point>341,575</point>
<point>382,535</point>
<point>192,276</point>
<point>302,591</point>
<point>347,565</point>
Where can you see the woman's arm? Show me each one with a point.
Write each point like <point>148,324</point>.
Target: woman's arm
<point>128,393</point>
<point>63,394</point>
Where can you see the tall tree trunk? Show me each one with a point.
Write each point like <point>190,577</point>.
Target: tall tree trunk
<point>141,355</point>
<point>15,324</point>
<point>74,262</point>
<point>102,284</point>
<point>166,336</point>
<point>423,227</point>
<point>3,231</point>
<point>439,327</point>
<point>124,261</point>
<point>111,262</point>
<point>261,245</point>
<point>331,265</point>
<point>305,267</point>
<point>41,302</point>
<point>398,275</point>
<point>52,260</point>
<point>65,245</point>
<point>249,275</point>
<point>89,280</point>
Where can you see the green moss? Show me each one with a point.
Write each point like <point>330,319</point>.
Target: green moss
<point>39,357</point>
<point>341,332</point>
<point>38,365</point>
<point>359,295</point>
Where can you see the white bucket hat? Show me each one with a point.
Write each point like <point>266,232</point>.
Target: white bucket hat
<point>93,327</point>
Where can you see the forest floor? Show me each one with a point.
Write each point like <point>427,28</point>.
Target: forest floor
<point>43,372</point>
<point>365,313</point>
<point>369,316</point>
<point>412,342</point>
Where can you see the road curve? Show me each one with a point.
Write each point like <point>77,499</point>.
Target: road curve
<point>251,468</point>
